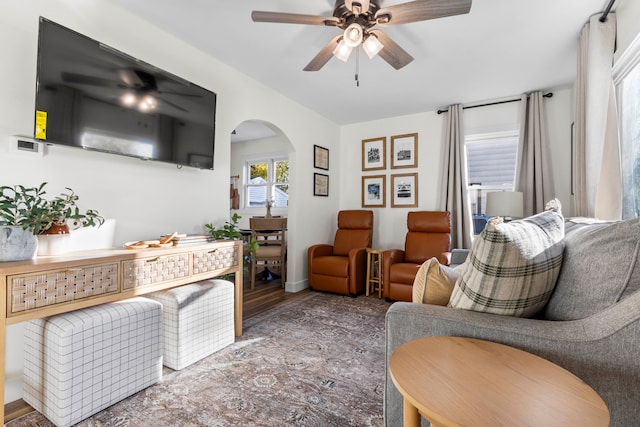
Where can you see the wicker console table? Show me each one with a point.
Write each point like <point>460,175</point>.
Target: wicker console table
<point>46,286</point>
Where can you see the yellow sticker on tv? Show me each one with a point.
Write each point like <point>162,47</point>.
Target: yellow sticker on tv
<point>41,124</point>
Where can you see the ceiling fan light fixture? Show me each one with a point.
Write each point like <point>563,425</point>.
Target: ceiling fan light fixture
<point>342,51</point>
<point>372,46</point>
<point>147,103</point>
<point>353,35</point>
<point>128,99</point>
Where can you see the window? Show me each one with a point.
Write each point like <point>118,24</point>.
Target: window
<point>491,166</point>
<point>627,77</point>
<point>267,179</point>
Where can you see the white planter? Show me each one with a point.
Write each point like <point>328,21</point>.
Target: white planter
<point>53,244</point>
<point>17,244</point>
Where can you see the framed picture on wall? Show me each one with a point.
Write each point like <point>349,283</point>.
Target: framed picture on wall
<point>373,191</point>
<point>404,151</point>
<point>320,157</point>
<point>320,184</point>
<point>405,190</point>
<point>373,153</point>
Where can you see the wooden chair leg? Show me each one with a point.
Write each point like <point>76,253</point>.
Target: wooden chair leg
<point>283,271</point>
<point>253,273</point>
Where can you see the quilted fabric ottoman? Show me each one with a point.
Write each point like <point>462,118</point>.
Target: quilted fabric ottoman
<point>79,363</point>
<point>197,321</point>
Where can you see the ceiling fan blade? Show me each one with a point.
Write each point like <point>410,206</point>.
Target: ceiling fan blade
<point>83,79</point>
<point>137,79</point>
<point>421,10</point>
<point>323,56</point>
<point>174,105</point>
<point>292,18</point>
<point>396,56</point>
<point>192,95</point>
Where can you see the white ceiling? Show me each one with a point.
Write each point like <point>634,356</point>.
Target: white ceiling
<point>500,49</point>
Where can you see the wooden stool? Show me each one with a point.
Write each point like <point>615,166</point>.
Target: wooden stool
<point>374,271</point>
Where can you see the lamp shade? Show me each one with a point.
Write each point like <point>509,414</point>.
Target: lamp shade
<point>372,46</point>
<point>504,204</point>
<point>342,51</point>
<point>353,35</point>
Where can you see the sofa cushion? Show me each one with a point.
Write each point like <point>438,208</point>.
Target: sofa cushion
<point>434,283</point>
<point>600,267</point>
<point>513,267</point>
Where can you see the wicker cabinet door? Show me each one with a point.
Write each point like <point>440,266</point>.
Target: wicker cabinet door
<point>215,259</point>
<point>45,288</point>
<point>149,271</point>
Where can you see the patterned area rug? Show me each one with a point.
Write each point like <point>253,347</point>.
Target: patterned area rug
<point>315,361</point>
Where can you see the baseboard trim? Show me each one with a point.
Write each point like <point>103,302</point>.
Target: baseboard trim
<point>296,286</point>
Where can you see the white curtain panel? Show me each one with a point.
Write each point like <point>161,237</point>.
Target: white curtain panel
<point>453,192</point>
<point>534,177</point>
<point>597,176</point>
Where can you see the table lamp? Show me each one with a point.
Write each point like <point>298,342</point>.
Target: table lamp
<point>507,204</point>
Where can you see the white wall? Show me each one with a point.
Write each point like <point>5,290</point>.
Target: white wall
<point>147,198</point>
<point>628,24</point>
<point>391,223</point>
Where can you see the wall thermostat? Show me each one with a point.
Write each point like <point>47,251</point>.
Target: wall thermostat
<point>28,145</point>
<point>21,144</point>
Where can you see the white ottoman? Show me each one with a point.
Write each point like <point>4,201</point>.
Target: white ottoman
<point>79,363</point>
<point>197,321</point>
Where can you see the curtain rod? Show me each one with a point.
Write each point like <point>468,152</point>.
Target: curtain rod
<point>546,95</point>
<point>607,10</point>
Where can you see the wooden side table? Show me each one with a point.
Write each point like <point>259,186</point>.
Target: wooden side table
<point>454,381</point>
<point>374,271</point>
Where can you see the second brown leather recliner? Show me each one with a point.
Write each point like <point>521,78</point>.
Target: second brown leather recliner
<point>428,236</point>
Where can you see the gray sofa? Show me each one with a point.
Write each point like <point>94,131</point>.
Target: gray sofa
<point>591,325</point>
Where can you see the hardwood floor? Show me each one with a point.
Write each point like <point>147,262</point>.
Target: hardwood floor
<point>264,296</point>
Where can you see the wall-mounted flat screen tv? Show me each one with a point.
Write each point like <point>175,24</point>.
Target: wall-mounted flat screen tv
<point>92,96</point>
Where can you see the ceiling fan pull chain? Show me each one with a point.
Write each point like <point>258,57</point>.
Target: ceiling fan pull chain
<point>357,67</point>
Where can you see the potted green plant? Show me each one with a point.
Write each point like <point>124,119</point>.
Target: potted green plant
<point>26,211</point>
<point>229,231</point>
<point>62,214</point>
<point>58,217</point>
<point>20,220</point>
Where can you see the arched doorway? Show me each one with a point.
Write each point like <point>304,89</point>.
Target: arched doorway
<point>259,171</point>
<point>265,148</point>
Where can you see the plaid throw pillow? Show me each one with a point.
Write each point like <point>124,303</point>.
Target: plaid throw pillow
<point>513,267</point>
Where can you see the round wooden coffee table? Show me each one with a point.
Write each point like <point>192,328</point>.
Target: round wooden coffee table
<point>455,381</point>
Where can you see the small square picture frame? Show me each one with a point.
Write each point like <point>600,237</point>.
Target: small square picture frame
<point>374,188</point>
<point>374,154</point>
<point>404,189</point>
<point>404,151</point>
<point>320,184</point>
<point>320,157</point>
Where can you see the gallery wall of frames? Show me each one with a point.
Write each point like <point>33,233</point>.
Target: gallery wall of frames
<point>402,185</point>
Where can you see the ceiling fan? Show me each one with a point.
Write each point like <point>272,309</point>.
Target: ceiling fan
<point>138,85</point>
<point>357,19</point>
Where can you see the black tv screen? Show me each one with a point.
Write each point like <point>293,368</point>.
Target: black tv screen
<point>92,96</point>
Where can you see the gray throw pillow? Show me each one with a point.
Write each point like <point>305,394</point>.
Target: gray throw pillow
<point>599,268</point>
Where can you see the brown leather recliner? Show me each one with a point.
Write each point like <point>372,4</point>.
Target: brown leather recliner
<point>428,236</point>
<point>341,267</point>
